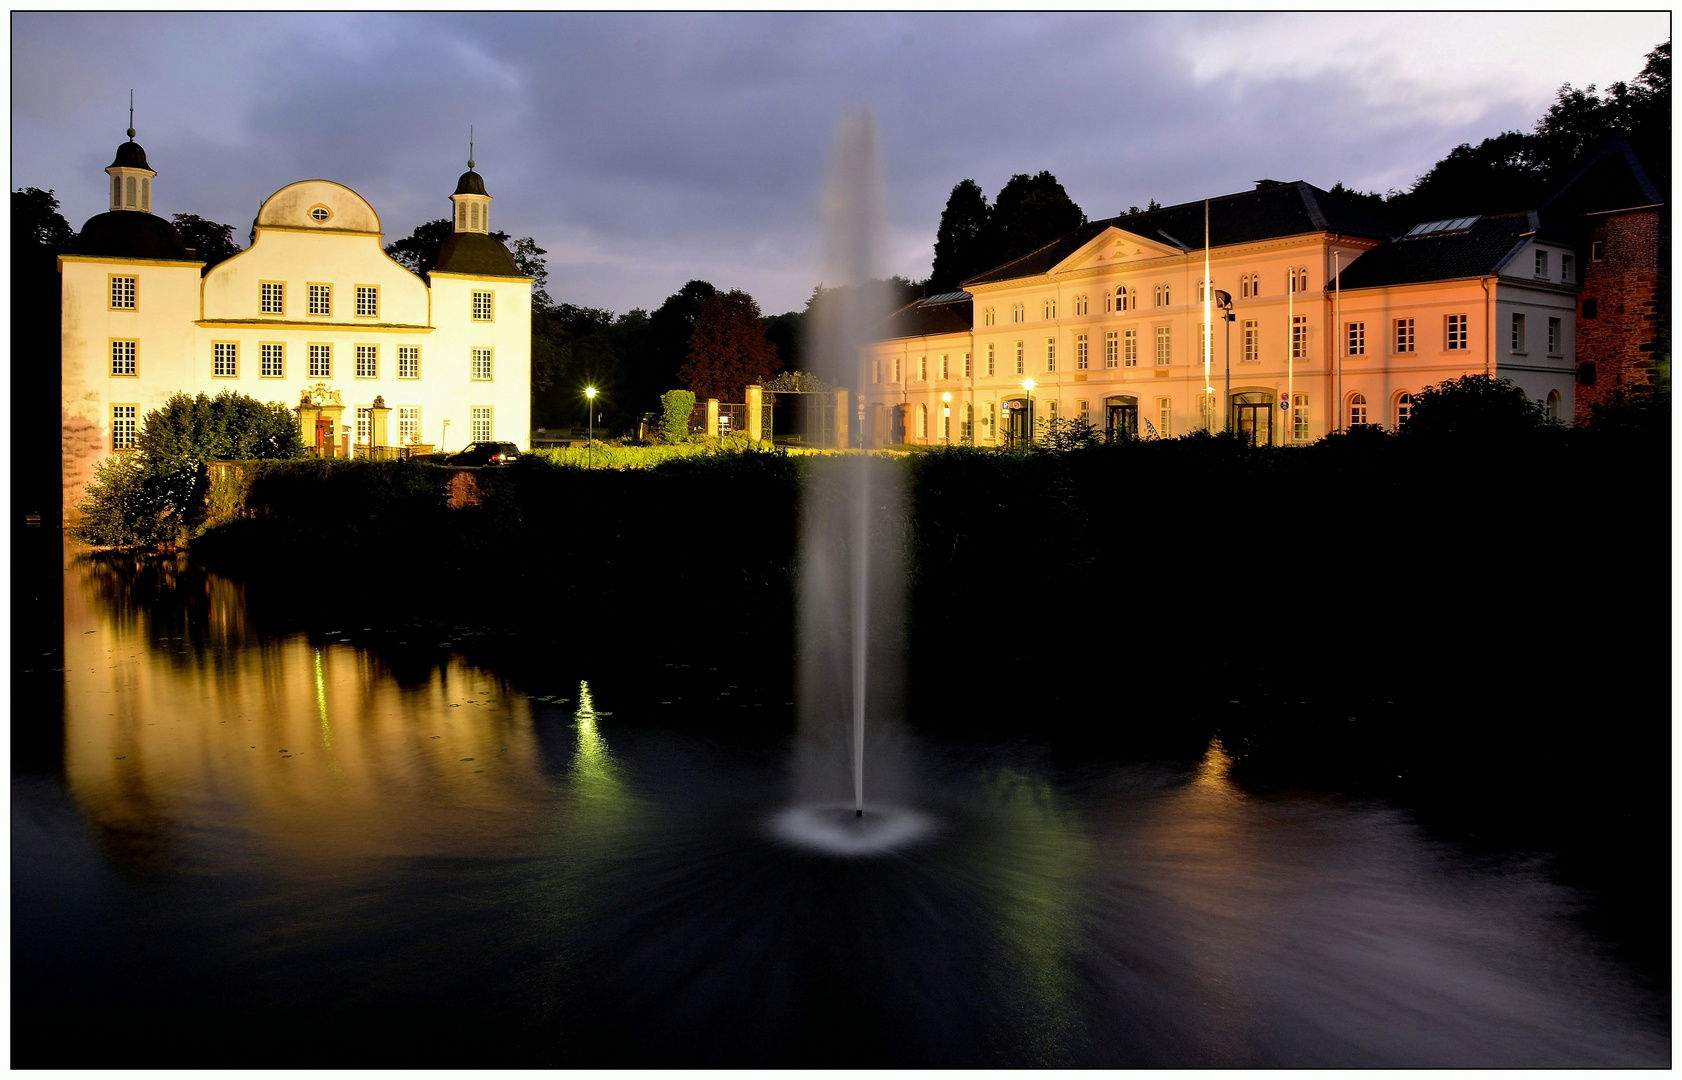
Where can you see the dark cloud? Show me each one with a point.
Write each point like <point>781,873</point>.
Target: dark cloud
<point>646,149</point>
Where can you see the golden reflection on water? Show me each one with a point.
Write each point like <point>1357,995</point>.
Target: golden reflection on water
<point>184,721</point>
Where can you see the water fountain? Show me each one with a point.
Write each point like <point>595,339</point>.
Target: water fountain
<point>852,582</point>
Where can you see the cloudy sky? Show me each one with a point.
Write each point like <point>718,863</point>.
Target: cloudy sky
<point>643,150</point>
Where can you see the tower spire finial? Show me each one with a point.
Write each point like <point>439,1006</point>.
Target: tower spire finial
<point>469,146</point>
<point>131,115</point>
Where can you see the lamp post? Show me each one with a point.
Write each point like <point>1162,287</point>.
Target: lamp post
<point>590,445</point>
<point>1028,410</point>
<point>1223,300</point>
<point>946,418</point>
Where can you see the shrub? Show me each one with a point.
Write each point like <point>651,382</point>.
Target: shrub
<point>132,503</point>
<point>1476,407</point>
<point>676,405</point>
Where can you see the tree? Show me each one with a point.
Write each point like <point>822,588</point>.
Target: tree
<point>36,221</point>
<point>958,251</point>
<point>419,250</point>
<point>1029,212</point>
<point>209,240</point>
<point>528,259</point>
<point>1475,408</point>
<point>728,350</point>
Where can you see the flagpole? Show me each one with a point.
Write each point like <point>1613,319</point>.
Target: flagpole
<point>1208,326</point>
<point>1291,354</point>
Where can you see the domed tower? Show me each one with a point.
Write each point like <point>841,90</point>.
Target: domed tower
<point>131,177</point>
<point>471,249</point>
<point>129,229</point>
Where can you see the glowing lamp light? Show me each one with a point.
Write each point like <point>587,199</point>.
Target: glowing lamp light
<point>1028,385</point>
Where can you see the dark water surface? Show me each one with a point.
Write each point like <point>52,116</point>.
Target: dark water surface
<point>287,849</point>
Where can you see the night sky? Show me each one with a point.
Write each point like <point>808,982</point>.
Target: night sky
<point>643,150</point>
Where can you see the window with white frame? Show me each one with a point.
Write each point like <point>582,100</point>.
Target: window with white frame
<point>1121,298</point>
<point>321,300</point>
<point>1206,411</point>
<point>479,419</point>
<point>1164,417</point>
<point>484,307</point>
<point>364,425</point>
<point>992,419</point>
<point>1252,341</point>
<point>1568,268</point>
<point>481,365</point>
<point>1021,361</point>
<point>321,361</point>
<point>367,301</point>
<point>1553,405</point>
<point>1080,304</point>
<point>1298,278</point>
<point>1163,355</point>
<point>1084,409</point>
<point>1404,408</point>
<point>408,361</point>
<point>991,367</point>
<point>1080,352</point>
<point>1518,332</point>
<point>225,359</point>
<point>1404,335</point>
<point>1541,263</point>
<point>1051,354</point>
<point>122,292</point>
<point>271,296</point>
<point>367,361</point>
<point>1299,337</point>
<point>1161,294</point>
<point>1112,349</point>
<point>1556,335</point>
<point>969,368</point>
<point>408,425</point>
<point>1357,339</point>
<point>1051,409</point>
<point>1357,410</point>
<point>271,360</point>
<point>1130,348</point>
<point>1299,416</point>
<point>123,434</point>
<point>1455,333</point>
<point>967,433</point>
<point>122,357</point>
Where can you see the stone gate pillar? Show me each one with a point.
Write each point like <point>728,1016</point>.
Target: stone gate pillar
<point>712,417</point>
<point>755,396</point>
<point>843,418</point>
<point>377,430</point>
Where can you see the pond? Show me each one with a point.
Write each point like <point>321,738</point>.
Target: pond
<point>362,845</point>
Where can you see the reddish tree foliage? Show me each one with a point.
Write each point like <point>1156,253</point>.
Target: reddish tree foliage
<point>728,351</point>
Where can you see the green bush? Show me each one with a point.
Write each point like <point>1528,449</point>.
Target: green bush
<point>675,405</point>
<point>132,503</point>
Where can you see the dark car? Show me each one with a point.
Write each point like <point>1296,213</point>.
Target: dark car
<point>486,453</point>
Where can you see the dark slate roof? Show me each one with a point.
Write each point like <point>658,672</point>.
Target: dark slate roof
<point>475,253</point>
<point>948,313</point>
<point>130,156</point>
<point>129,234</point>
<point>471,183</point>
<point>1477,251</point>
<point>1611,179</point>
<point>1271,210</point>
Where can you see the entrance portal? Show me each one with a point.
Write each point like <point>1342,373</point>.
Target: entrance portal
<point>1122,417</point>
<point>1253,418</point>
<point>1019,420</point>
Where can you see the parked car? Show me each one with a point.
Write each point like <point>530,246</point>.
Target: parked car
<point>485,453</point>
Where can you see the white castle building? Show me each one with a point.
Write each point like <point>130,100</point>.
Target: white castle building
<point>313,315</point>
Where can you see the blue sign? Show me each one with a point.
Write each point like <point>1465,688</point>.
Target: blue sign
<point>1284,403</point>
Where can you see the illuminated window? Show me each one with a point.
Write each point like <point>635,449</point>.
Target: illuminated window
<point>1206,411</point>
<point>481,365</point>
<point>408,361</point>
<point>272,297</point>
<point>1164,416</point>
<point>1357,339</point>
<point>1021,368</point>
<point>1080,352</point>
<point>1357,410</point>
<point>1404,408</point>
<point>321,361</point>
<point>225,359</point>
<point>480,423</point>
<point>1299,337</point>
<point>1455,334</point>
<point>364,425</point>
<point>367,361</point>
<point>1556,336</point>
<point>271,361</point>
<point>1051,354</point>
<point>1518,332</point>
<point>122,292</point>
<point>122,357</point>
<point>321,300</point>
<point>408,424</point>
<point>1252,341</point>
<point>968,366</point>
<point>1084,408</point>
<point>992,419</point>
<point>1404,335</point>
<point>122,427</point>
<point>990,364</point>
<point>1112,352</point>
<point>1299,416</point>
<point>1163,355</point>
<point>923,369</point>
<point>945,367</point>
<point>1130,348</point>
<point>368,301</point>
<point>1121,298</point>
<point>483,307</point>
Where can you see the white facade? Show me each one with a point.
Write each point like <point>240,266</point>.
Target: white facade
<point>313,303</point>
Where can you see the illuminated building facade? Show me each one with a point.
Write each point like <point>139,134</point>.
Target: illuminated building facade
<point>312,315</point>
<point>1333,323</point>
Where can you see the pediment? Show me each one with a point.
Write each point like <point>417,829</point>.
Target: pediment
<point>1115,247</point>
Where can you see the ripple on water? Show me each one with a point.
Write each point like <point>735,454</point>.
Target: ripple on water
<point>837,829</point>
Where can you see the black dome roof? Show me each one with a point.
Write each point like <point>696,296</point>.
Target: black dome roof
<point>475,253</point>
<point>471,183</point>
<point>129,234</point>
<point>130,155</point>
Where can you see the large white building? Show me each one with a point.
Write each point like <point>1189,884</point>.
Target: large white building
<point>313,315</point>
<point>1334,323</point>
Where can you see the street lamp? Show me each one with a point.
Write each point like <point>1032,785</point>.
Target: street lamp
<point>1223,300</point>
<point>946,418</point>
<point>590,451</point>
<point>1028,410</point>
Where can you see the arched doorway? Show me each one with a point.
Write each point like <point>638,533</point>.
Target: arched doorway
<point>1121,417</point>
<point>1252,415</point>
<point>1019,419</point>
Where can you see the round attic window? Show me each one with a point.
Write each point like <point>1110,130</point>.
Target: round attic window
<point>320,213</point>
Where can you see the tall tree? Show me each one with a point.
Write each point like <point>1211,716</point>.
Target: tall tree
<point>419,250</point>
<point>728,350</point>
<point>666,346</point>
<point>958,253</point>
<point>209,240</point>
<point>36,221</point>
<point>39,235</point>
<point>1029,212</point>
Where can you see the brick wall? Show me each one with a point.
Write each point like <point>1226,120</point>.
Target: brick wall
<point>1621,342</point>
